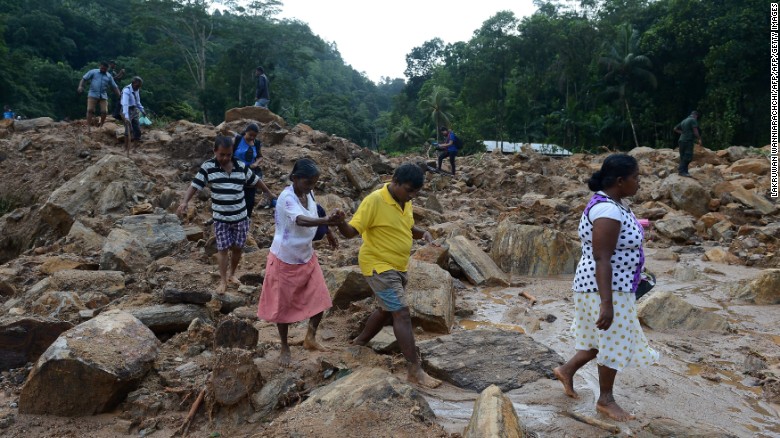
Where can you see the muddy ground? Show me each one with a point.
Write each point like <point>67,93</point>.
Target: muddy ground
<point>702,382</point>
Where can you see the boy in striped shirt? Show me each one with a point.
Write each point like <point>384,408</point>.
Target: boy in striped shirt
<point>226,176</point>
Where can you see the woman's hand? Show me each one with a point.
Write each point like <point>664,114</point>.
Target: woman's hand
<point>605,316</point>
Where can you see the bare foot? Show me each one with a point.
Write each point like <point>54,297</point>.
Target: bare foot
<point>234,280</point>
<point>311,344</point>
<point>567,381</point>
<point>613,411</point>
<point>356,342</point>
<point>284,356</point>
<point>417,375</point>
<point>221,288</point>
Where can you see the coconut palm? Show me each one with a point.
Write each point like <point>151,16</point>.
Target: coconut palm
<point>438,103</point>
<point>626,68</point>
<point>406,134</point>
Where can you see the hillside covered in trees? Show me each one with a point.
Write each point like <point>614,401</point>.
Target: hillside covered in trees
<point>581,74</point>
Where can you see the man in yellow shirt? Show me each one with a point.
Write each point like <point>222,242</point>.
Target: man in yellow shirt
<point>384,220</point>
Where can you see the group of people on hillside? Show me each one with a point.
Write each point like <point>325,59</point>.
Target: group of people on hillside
<point>128,106</point>
<point>605,325</point>
<point>103,79</point>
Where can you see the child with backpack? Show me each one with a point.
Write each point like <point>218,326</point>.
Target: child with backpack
<point>449,148</point>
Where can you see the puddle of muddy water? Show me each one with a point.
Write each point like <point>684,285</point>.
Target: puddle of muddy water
<point>732,404</point>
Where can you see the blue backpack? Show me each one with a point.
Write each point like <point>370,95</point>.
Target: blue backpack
<point>457,142</point>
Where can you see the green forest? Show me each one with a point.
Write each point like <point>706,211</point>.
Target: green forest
<point>581,74</point>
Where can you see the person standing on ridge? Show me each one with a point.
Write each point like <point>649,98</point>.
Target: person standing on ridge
<point>262,97</point>
<point>688,130</point>
<point>99,82</point>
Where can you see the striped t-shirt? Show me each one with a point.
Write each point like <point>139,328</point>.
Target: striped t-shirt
<point>227,189</point>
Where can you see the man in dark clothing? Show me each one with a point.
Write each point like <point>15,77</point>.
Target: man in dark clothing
<point>688,130</point>
<point>262,98</point>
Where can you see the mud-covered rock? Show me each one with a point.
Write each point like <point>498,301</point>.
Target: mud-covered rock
<point>666,311</point>
<point>763,290</point>
<point>111,352</point>
<point>430,297</point>
<point>478,267</point>
<point>122,251</point>
<point>475,359</point>
<point>533,250</point>
<point>24,338</point>
<point>494,416</point>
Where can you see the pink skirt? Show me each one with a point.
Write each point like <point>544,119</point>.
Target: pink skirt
<point>292,293</point>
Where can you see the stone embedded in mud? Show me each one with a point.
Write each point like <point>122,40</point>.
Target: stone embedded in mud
<point>754,165</point>
<point>666,311</point>
<point>533,250</point>
<point>384,342</point>
<point>429,295</point>
<point>282,390</point>
<point>478,267</point>
<point>346,285</point>
<point>754,200</point>
<point>676,228</point>
<point>360,175</point>
<point>176,296</point>
<point>253,113</point>
<point>364,392</point>
<point>82,239</point>
<point>90,368</point>
<point>719,255</point>
<point>687,194</point>
<point>235,333</point>
<point>438,255</point>
<point>475,359</point>
<point>102,188</point>
<point>494,416</point>
<point>160,234</point>
<point>763,290</point>
<point>163,319</point>
<point>234,376</point>
<point>24,338</point>
<point>124,252</point>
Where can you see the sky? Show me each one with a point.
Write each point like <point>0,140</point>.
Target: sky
<point>374,37</point>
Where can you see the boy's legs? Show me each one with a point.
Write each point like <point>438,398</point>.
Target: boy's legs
<point>229,236</point>
<point>442,155</point>
<point>452,161</point>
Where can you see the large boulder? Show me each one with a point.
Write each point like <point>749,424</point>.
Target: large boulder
<point>256,113</point>
<point>333,409</point>
<point>494,416</point>
<point>166,319</point>
<point>347,284</point>
<point>476,359</point>
<point>763,290</point>
<point>90,368</point>
<point>754,200</point>
<point>122,251</point>
<point>103,188</point>
<point>159,233</point>
<point>430,297</point>
<point>666,311</point>
<point>360,175</point>
<point>24,338</point>
<point>82,239</point>
<point>754,165</point>
<point>687,194</point>
<point>478,267</point>
<point>676,228</point>
<point>533,250</point>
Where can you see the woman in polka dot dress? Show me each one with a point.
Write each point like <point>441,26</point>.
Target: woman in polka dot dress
<point>605,326</point>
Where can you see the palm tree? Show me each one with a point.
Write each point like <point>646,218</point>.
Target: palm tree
<point>406,134</point>
<point>438,103</point>
<point>626,67</point>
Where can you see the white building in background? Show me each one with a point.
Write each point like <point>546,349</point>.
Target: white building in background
<point>550,149</point>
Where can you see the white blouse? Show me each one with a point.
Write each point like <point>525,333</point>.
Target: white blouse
<point>293,243</point>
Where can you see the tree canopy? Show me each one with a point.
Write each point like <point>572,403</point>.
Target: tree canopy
<point>581,74</point>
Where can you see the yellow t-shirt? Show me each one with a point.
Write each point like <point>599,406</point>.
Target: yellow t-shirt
<point>386,232</point>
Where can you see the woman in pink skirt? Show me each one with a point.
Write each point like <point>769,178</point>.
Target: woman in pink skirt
<point>294,288</point>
